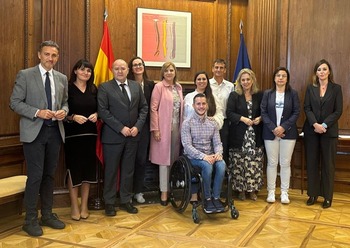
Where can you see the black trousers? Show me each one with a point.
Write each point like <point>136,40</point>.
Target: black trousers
<point>224,135</point>
<point>320,154</point>
<point>141,159</point>
<point>115,155</point>
<point>41,158</point>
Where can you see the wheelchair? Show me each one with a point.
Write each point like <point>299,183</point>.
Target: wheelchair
<point>182,176</point>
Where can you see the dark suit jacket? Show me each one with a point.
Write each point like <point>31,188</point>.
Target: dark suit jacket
<point>29,95</point>
<point>148,88</point>
<point>328,110</point>
<point>290,114</point>
<point>116,113</point>
<point>237,107</point>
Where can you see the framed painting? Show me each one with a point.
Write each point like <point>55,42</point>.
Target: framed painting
<point>163,36</point>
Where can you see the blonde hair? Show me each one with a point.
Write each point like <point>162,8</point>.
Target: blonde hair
<point>239,88</point>
<point>166,66</point>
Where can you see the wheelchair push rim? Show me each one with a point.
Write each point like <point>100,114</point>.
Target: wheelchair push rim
<point>180,184</point>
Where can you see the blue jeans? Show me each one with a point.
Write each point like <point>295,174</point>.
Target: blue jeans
<point>207,171</point>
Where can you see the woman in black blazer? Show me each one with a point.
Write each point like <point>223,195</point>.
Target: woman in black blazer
<point>245,139</point>
<point>280,110</point>
<point>323,107</point>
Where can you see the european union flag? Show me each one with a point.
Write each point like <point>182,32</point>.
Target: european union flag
<point>242,59</point>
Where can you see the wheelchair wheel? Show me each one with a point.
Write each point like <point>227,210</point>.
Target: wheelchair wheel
<point>234,213</point>
<point>229,201</point>
<point>180,184</point>
<point>195,216</point>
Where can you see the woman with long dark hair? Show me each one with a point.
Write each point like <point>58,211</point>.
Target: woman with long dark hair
<point>323,106</point>
<point>201,80</point>
<point>81,134</point>
<point>137,72</point>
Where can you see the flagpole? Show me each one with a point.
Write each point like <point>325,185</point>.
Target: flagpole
<point>98,202</point>
<point>241,27</point>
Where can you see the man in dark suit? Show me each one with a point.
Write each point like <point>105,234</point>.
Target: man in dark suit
<point>40,97</point>
<point>123,108</point>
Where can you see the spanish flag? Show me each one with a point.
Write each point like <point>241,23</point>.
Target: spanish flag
<point>103,73</point>
<point>105,58</point>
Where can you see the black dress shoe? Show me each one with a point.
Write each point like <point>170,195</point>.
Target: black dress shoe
<point>311,200</point>
<point>52,221</point>
<point>164,203</point>
<point>327,203</point>
<point>32,227</point>
<point>110,210</point>
<point>129,208</point>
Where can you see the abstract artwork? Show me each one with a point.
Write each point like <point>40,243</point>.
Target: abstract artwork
<point>163,36</point>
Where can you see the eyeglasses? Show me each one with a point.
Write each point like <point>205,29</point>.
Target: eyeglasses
<point>281,75</point>
<point>137,65</point>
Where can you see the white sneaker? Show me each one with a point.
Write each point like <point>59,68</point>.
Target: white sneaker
<point>284,197</point>
<point>271,196</point>
<point>139,198</point>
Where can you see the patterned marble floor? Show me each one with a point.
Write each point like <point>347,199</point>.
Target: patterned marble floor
<point>260,224</point>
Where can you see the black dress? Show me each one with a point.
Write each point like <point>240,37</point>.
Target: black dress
<point>80,143</point>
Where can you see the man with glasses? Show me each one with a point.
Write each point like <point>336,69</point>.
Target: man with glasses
<point>123,108</point>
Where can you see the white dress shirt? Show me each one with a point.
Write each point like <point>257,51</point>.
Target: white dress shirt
<point>221,93</point>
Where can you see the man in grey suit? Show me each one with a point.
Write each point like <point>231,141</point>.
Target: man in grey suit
<point>123,108</point>
<point>40,97</point>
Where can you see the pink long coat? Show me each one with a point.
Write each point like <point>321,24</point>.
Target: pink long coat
<point>161,118</point>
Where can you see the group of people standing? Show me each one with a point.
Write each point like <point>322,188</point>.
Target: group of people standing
<point>269,119</point>
<point>143,120</point>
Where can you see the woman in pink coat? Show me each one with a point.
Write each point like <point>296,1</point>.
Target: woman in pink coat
<point>166,117</point>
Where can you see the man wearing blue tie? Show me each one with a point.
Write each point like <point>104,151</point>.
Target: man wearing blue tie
<point>40,97</point>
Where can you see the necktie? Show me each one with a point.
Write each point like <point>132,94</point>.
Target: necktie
<point>48,96</point>
<point>125,93</point>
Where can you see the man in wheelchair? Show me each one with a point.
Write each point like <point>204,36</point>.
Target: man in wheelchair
<point>202,145</point>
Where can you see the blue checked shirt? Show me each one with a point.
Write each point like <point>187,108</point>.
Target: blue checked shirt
<point>200,137</point>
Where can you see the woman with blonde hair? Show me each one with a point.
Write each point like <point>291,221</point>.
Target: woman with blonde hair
<point>246,145</point>
<point>166,110</point>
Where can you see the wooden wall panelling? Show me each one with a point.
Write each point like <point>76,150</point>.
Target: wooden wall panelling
<point>262,39</point>
<point>64,22</point>
<point>282,32</point>
<point>221,38</point>
<point>12,15</point>
<point>33,34</point>
<point>239,12</point>
<point>96,10</point>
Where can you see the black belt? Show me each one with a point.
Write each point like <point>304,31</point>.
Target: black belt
<point>52,124</point>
